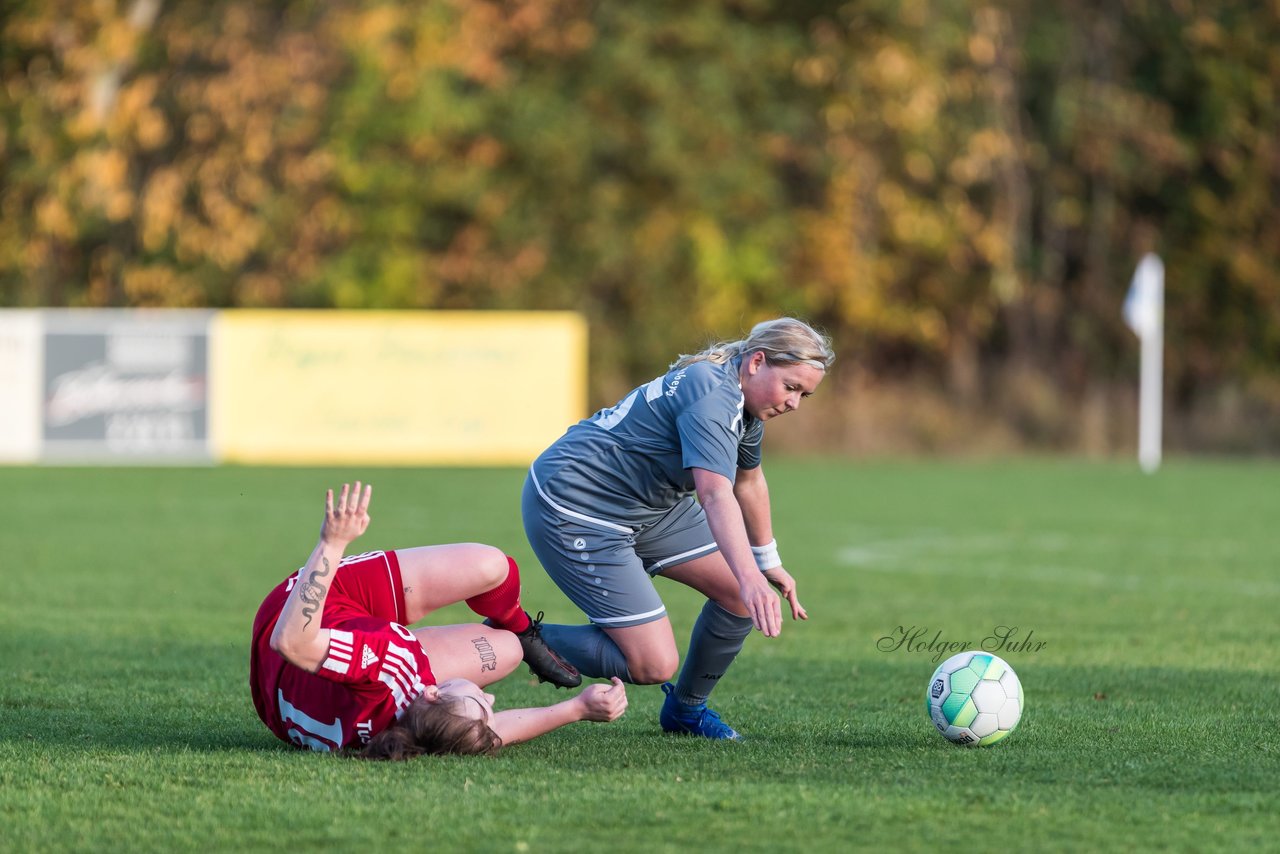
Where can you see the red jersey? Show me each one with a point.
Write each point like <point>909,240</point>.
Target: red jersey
<point>374,669</point>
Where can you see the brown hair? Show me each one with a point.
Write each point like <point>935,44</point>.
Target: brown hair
<point>433,728</point>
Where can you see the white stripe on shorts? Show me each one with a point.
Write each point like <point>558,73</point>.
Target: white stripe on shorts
<point>573,513</point>
<point>699,550</point>
<point>656,612</point>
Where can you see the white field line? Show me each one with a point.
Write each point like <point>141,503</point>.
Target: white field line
<point>987,556</point>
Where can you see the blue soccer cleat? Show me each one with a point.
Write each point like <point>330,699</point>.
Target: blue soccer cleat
<point>678,718</point>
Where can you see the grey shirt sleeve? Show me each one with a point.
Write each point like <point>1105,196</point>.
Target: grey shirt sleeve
<point>708,429</point>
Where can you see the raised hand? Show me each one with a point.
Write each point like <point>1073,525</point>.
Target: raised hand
<point>349,519</point>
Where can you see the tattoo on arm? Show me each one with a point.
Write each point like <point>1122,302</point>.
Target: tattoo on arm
<point>313,592</point>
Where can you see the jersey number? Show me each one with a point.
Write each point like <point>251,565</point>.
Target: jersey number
<point>305,730</point>
<point>609,418</point>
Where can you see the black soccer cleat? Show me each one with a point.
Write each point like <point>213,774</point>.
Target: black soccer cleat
<point>544,661</point>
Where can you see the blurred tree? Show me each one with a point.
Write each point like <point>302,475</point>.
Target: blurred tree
<point>165,159</point>
<point>958,191</point>
<point>628,162</point>
<point>998,168</point>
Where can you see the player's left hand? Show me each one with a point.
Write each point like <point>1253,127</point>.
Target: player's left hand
<point>786,585</point>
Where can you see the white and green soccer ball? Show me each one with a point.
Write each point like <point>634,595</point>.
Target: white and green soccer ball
<point>974,699</point>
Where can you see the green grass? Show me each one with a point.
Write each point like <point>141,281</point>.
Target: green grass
<point>1151,709</point>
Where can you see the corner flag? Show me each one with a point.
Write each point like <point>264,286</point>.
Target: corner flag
<point>1145,302</point>
<point>1144,312</point>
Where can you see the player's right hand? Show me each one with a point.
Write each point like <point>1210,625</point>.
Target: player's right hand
<point>349,519</point>
<point>762,605</point>
<point>602,702</point>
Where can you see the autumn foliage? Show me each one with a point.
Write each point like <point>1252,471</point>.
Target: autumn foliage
<point>957,191</point>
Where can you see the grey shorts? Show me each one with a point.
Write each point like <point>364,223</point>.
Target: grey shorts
<point>605,568</point>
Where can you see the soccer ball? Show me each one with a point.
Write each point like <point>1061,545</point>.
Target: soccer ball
<point>974,699</point>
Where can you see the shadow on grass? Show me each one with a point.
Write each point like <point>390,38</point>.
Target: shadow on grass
<point>129,694</point>
<point>93,728</point>
<point>1166,728</point>
<point>1170,728</point>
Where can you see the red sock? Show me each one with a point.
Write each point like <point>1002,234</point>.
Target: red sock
<point>502,604</point>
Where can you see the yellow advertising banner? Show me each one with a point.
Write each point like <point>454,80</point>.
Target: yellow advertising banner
<point>414,388</point>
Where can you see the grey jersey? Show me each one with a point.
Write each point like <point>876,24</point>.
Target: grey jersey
<point>632,462</point>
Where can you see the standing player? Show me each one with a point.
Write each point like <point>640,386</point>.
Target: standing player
<point>332,665</point>
<point>611,504</point>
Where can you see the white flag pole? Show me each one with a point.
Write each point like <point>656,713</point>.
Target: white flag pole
<point>1144,311</point>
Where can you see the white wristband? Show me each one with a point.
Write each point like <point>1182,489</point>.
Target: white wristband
<point>767,555</point>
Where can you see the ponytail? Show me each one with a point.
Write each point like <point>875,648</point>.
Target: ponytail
<point>784,341</point>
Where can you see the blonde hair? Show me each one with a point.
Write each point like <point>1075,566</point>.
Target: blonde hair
<point>433,728</point>
<point>784,341</point>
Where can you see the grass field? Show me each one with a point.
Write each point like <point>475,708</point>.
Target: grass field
<point>1151,707</point>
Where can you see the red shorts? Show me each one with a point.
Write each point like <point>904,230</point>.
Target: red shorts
<point>366,585</point>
